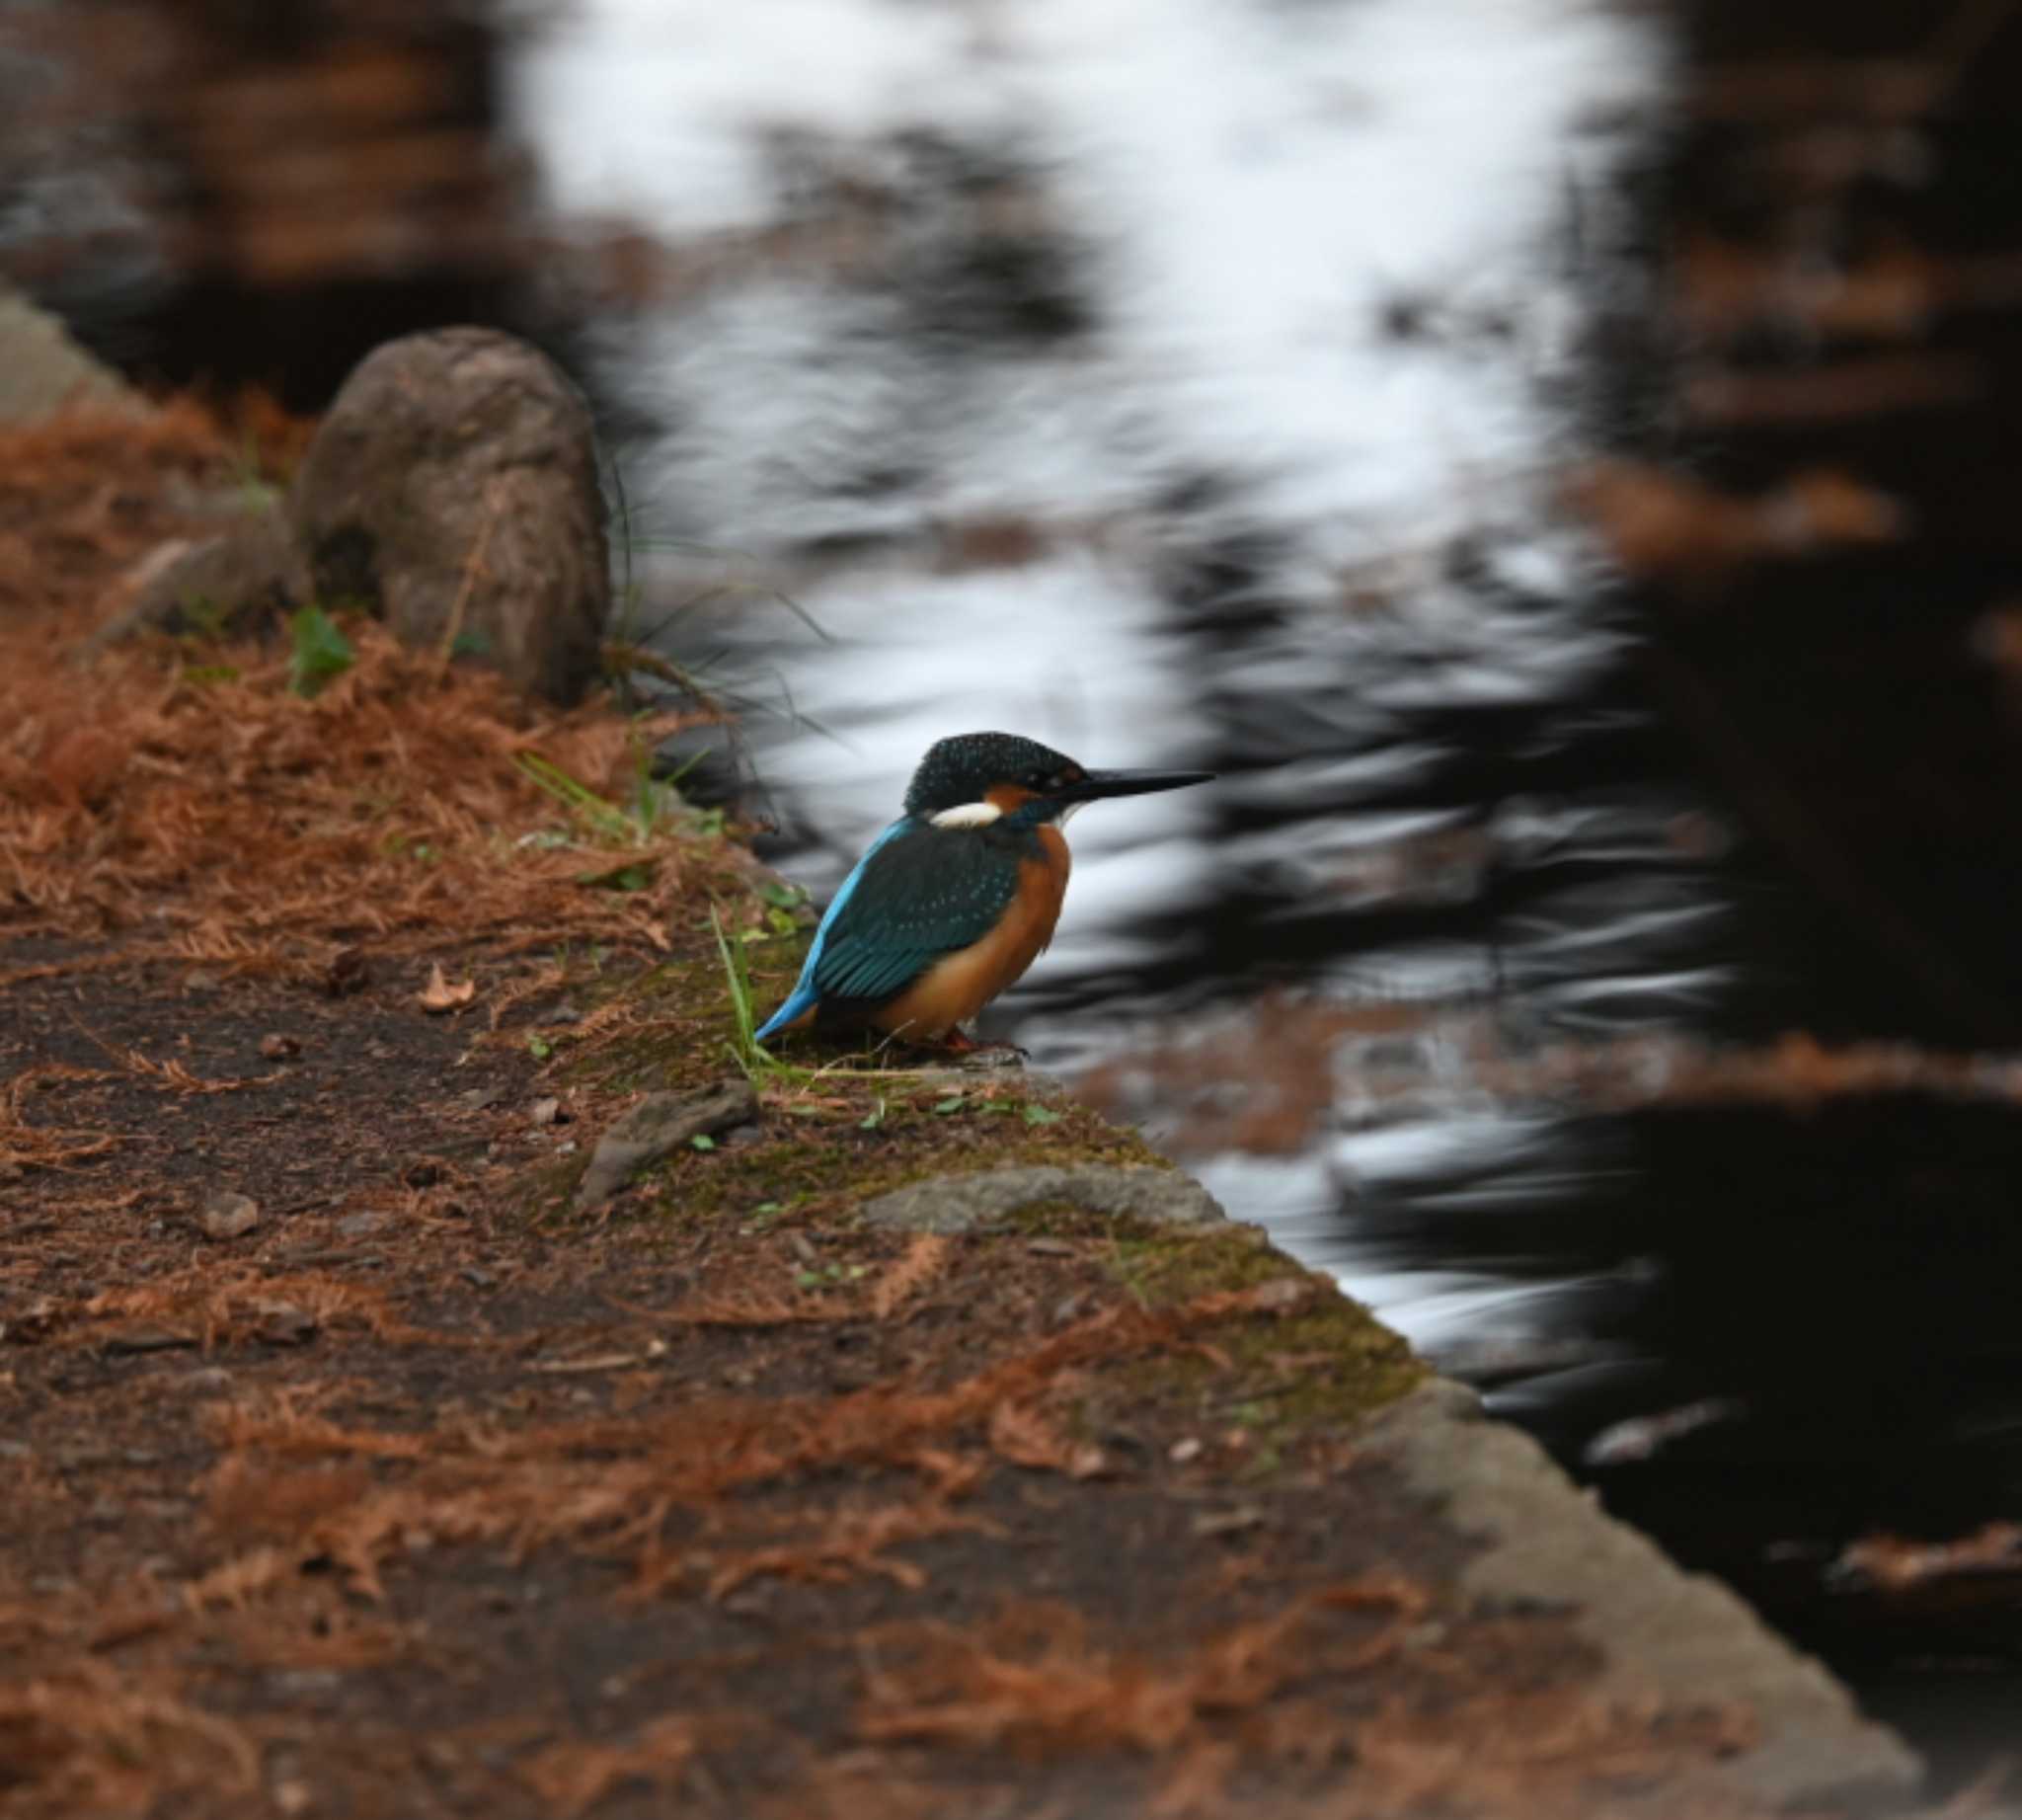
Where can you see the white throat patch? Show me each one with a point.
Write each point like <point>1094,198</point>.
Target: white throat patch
<point>968,815</point>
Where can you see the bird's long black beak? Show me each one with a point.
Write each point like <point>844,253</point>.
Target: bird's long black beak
<point>1130,783</point>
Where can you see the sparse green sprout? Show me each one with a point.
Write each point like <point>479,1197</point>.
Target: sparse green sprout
<point>824,1276</point>
<point>539,1048</point>
<point>655,805</point>
<point>321,652</point>
<point>604,819</point>
<point>745,1048</point>
<point>1040,1115</point>
<point>875,1118</point>
<point>702,1140</point>
<point>204,619</point>
<point>953,1103</point>
<point>636,876</point>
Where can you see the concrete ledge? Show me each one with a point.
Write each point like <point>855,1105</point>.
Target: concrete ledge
<point>1661,1630</point>
<point>963,1203</point>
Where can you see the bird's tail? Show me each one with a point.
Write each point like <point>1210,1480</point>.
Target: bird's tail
<point>797,1006</point>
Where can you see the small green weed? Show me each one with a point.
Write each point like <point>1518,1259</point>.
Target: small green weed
<point>747,1051</point>
<point>320,653</point>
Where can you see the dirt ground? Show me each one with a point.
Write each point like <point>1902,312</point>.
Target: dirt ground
<point>398,1485</point>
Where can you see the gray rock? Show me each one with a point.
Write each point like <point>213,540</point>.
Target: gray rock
<point>218,584</point>
<point>226,1215</point>
<point>454,486</point>
<point>660,1124</point>
<point>963,1203</point>
<point>42,369</point>
<point>1682,1636</point>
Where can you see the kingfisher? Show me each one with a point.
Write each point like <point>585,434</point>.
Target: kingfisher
<point>954,901</point>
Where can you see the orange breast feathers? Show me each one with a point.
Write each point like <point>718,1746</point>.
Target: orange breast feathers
<point>957,985</point>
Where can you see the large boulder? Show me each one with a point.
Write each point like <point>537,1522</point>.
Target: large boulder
<point>453,489</point>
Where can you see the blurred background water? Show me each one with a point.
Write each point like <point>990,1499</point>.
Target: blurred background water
<point>1196,386</point>
<point>1553,461</point>
<point>1215,385</point>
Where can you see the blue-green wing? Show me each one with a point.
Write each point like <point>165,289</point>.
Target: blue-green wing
<point>923,893</point>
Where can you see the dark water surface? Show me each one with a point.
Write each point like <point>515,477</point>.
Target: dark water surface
<point>1208,395</point>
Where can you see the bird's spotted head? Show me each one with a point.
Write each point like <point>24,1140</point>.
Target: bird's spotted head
<point>976,778</point>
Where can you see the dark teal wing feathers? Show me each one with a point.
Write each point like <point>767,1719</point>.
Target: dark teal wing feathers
<point>924,893</point>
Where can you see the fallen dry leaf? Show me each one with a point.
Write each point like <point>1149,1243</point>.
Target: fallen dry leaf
<point>439,996</point>
<point>1896,1564</point>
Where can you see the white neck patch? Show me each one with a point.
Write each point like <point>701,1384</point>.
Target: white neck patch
<point>968,815</point>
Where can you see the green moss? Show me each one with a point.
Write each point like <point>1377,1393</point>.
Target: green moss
<point>821,1162</point>
<point>1316,1370</point>
<point>831,1139</point>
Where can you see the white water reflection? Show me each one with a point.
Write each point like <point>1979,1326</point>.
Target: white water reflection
<point>1280,448</point>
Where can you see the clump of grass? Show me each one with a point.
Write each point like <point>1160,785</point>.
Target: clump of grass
<point>750,1054</point>
<point>654,807</point>
<point>759,1063</point>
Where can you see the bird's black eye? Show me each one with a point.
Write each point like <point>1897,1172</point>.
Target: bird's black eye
<point>1039,781</point>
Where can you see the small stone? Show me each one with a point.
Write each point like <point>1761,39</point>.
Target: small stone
<point>1229,1522</point>
<point>478,1098</point>
<point>284,1323</point>
<point>545,1112</point>
<point>207,1380</point>
<point>1281,1294</point>
<point>561,1015</point>
<point>227,1214</point>
<point>362,1225</point>
<point>1050,1247</point>
<point>658,1126</point>
<point>277,1048</point>
<point>145,1337</point>
<point>249,570</point>
<point>478,1277</point>
<point>1183,1450</point>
